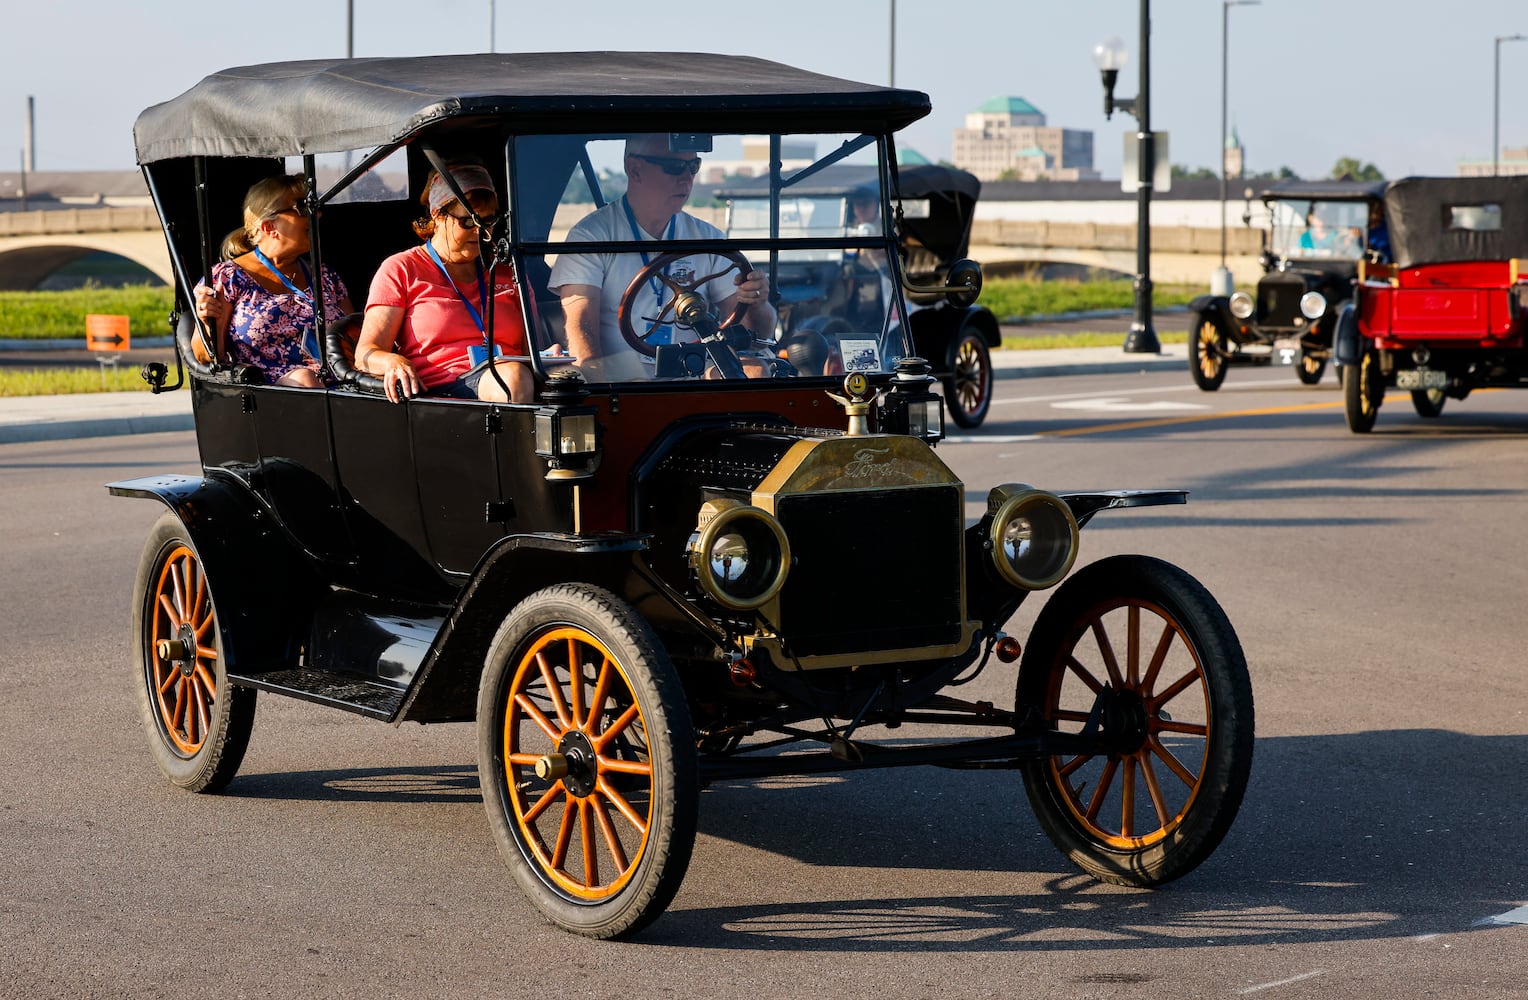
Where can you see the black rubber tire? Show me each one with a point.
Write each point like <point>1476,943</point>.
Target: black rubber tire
<point>1207,353</point>
<point>1194,762</point>
<point>1428,402</point>
<point>968,387</point>
<point>632,806</point>
<point>197,723</point>
<point>1363,391</point>
<point>1309,369</point>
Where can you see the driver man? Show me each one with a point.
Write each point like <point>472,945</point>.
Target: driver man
<point>591,286</point>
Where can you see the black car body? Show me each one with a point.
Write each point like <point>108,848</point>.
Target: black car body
<point>932,225</point>
<point>739,568</point>
<point>1308,280</point>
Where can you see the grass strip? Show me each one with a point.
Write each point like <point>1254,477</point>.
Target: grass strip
<point>61,381</point>
<point>61,315</point>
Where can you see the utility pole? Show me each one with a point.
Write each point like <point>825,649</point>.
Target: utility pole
<point>893,72</point>
<point>29,156</point>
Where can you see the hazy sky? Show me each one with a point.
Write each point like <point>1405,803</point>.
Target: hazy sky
<point>1405,84</point>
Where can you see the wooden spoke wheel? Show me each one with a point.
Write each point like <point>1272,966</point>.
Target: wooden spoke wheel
<point>1428,402</point>
<point>587,761</point>
<point>1140,650</point>
<point>968,388</point>
<point>1310,368</point>
<point>1207,353</point>
<point>198,724</point>
<point>1363,390</point>
<point>668,312</point>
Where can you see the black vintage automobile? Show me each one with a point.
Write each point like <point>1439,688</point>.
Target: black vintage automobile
<point>1318,233</point>
<point>932,224</point>
<point>1448,314</point>
<point>739,568</point>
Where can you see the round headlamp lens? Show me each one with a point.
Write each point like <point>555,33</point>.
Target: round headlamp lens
<point>739,555</point>
<point>1313,305</point>
<point>1034,539</point>
<point>1241,305</point>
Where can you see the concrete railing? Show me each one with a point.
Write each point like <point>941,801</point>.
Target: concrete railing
<point>1104,236</point>
<point>48,222</point>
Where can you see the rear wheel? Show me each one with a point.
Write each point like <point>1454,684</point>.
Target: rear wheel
<point>1428,402</point>
<point>968,387</point>
<point>1207,354</point>
<point>586,757</point>
<point>198,724</point>
<point>1363,390</point>
<point>1139,648</point>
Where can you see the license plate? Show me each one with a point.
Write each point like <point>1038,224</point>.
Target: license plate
<point>1286,351</point>
<point>1421,378</point>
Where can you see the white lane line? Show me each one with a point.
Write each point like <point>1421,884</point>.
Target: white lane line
<point>992,439</point>
<point>1123,404</point>
<point>1186,388</point>
<point>1283,982</point>
<point>1517,916</point>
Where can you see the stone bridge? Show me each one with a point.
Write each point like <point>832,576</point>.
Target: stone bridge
<point>35,244</point>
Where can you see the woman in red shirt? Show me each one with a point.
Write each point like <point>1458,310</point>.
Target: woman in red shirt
<point>426,306</point>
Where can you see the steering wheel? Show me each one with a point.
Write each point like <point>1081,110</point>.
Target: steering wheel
<point>668,314</point>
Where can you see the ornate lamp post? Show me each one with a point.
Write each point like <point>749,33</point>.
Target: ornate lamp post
<point>1496,103</point>
<point>1110,56</point>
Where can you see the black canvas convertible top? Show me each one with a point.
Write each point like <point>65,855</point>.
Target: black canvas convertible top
<point>327,106</point>
<point>1435,220</point>
<point>1326,191</point>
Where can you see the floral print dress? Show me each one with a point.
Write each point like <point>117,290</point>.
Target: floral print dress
<point>267,328</point>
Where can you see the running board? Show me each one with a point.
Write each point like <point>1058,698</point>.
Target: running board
<point>336,690</point>
<point>847,755</point>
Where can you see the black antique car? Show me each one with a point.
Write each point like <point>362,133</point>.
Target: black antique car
<point>731,567</point>
<point>1449,313</point>
<point>1318,233</point>
<point>932,224</point>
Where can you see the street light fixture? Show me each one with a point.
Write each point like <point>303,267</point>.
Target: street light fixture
<point>1496,103</point>
<point>1110,56</point>
<point>1222,284</point>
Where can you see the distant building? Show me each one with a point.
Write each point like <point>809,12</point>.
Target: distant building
<point>1235,165</point>
<point>1513,162</point>
<point>794,154</point>
<point>1007,138</point>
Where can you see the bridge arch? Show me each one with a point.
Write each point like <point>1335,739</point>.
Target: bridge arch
<point>26,261</point>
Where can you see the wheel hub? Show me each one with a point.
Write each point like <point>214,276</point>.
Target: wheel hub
<point>1126,721</point>
<point>574,762</point>
<point>179,652</point>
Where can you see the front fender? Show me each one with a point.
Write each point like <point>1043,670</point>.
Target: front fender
<point>935,330</point>
<point>1216,307</point>
<point>264,589</point>
<point>1348,347</point>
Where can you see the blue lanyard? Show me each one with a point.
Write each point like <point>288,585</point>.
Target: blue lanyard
<point>665,336</point>
<point>477,317</point>
<point>309,333</point>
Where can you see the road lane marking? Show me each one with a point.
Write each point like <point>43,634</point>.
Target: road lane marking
<point>1283,982</point>
<point>1186,387</point>
<point>1123,404</point>
<point>990,438</point>
<point>1133,425</point>
<point>1517,916</point>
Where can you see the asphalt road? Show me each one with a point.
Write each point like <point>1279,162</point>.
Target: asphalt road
<point>1376,583</point>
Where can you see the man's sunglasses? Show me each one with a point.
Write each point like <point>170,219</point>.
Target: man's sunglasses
<point>671,165</point>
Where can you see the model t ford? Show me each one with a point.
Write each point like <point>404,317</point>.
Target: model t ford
<point>707,559</point>
<point>1449,313</point>
<point>1318,232</point>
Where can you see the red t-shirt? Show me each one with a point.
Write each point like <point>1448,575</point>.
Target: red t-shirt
<point>437,328</point>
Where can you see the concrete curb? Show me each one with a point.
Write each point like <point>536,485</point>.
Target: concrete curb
<point>64,430</point>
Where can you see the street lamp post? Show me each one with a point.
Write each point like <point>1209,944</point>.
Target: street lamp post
<point>1222,283</point>
<point>1110,56</point>
<point>1496,103</point>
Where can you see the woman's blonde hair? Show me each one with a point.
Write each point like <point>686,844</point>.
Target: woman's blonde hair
<point>264,198</point>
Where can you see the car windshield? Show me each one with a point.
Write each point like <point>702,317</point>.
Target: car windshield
<point>682,255</point>
<point>1315,229</point>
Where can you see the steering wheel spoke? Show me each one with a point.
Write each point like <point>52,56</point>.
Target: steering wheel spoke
<point>677,288</point>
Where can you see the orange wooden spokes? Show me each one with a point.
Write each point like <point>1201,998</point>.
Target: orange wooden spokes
<point>186,699</point>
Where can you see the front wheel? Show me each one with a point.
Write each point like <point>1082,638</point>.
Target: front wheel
<point>198,724</point>
<point>1137,649</point>
<point>968,387</point>
<point>1363,390</point>
<point>586,757</point>
<point>1207,354</point>
<point>1428,402</point>
<point>1310,368</point>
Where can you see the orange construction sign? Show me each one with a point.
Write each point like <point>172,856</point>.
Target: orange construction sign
<point>105,332</point>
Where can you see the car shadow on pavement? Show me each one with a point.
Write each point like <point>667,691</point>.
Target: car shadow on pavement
<point>443,783</point>
<point>1358,836</point>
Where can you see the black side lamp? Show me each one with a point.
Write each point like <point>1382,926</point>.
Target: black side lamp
<point>567,432</point>
<point>912,407</point>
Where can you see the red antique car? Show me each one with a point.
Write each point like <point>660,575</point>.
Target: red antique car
<point>1449,314</point>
